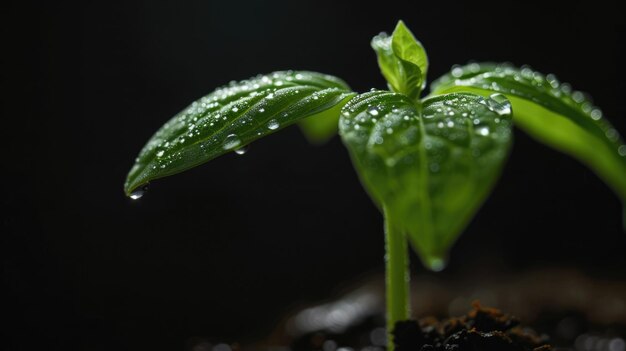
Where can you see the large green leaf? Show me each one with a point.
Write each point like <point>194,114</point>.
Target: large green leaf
<point>402,61</point>
<point>430,169</point>
<point>233,116</point>
<point>551,112</point>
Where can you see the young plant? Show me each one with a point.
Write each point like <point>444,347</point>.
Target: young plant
<point>428,163</point>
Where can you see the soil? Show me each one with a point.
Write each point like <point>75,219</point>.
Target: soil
<point>482,329</point>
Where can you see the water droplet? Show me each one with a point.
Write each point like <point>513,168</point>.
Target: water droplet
<point>435,263</point>
<point>499,104</point>
<point>160,153</point>
<point>450,124</point>
<point>139,192</point>
<point>372,111</point>
<point>622,150</point>
<point>457,71</point>
<point>484,131</point>
<point>596,114</point>
<point>261,110</point>
<point>235,109</point>
<point>612,134</point>
<point>231,142</point>
<point>578,97</point>
<point>273,124</point>
<point>242,150</point>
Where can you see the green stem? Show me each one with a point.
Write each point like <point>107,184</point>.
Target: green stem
<point>397,278</point>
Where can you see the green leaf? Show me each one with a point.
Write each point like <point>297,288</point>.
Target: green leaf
<point>320,129</point>
<point>402,61</point>
<point>551,112</point>
<point>430,169</point>
<point>233,116</point>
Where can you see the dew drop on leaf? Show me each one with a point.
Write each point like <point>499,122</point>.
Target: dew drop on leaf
<point>273,124</point>
<point>484,131</point>
<point>499,104</point>
<point>372,111</point>
<point>596,114</point>
<point>231,142</point>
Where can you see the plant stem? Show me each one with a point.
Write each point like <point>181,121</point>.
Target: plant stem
<point>397,278</point>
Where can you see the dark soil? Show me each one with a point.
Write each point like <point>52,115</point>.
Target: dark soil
<point>482,329</point>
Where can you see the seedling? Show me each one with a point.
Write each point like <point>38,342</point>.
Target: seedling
<point>427,163</point>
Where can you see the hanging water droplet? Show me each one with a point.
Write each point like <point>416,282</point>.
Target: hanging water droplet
<point>273,124</point>
<point>139,192</point>
<point>435,263</point>
<point>231,142</point>
<point>242,150</point>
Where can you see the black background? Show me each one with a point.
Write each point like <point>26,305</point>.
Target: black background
<point>224,250</point>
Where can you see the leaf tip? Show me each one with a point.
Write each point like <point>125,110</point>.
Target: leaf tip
<point>135,183</point>
<point>400,24</point>
<point>435,263</point>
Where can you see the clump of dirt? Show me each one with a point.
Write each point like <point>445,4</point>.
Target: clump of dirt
<point>482,329</point>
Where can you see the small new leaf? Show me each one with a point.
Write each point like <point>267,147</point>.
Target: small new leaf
<point>429,170</point>
<point>551,112</point>
<point>402,61</point>
<point>233,116</point>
